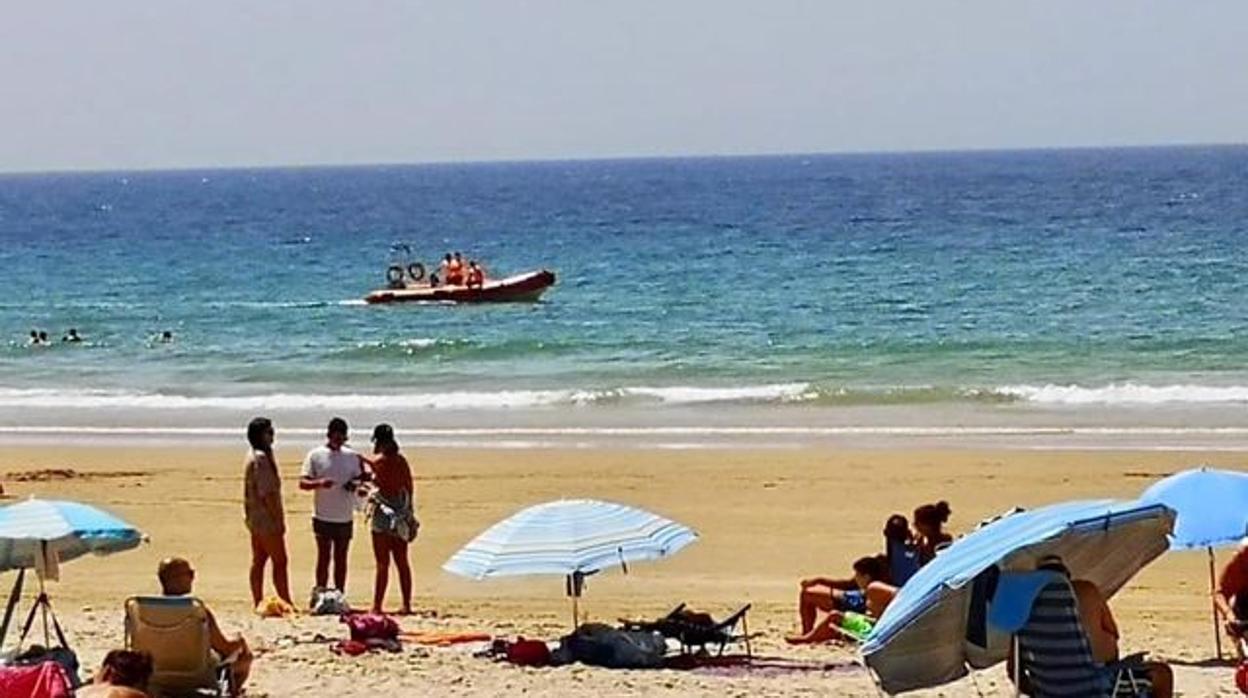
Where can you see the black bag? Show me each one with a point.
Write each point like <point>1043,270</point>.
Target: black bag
<point>64,656</point>
<point>601,645</point>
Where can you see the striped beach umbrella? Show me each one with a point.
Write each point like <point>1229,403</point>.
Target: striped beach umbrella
<point>40,534</point>
<point>572,538</point>
<point>37,527</point>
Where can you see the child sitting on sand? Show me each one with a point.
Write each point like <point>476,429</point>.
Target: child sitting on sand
<point>850,612</point>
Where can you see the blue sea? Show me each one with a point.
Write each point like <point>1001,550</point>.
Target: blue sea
<point>784,290</point>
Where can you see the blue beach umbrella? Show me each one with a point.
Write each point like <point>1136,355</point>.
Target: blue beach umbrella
<point>572,538</point>
<point>41,533</point>
<point>38,527</point>
<point>1212,506</point>
<point>936,627</point>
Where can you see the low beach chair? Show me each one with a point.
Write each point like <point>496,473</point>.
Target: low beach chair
<point>1056,659</point>
<point>699,630</point>
<point>174,630</point>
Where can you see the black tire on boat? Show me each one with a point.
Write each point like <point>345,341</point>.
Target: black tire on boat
<point>416,270</point>
<point>394,274</point>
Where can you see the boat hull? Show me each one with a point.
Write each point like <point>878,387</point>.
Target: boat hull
<point>521,288</point>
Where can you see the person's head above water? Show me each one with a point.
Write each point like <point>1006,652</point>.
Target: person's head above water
<point>457,256</point>
<point>336,432</point>
<point>176,576</point>
<point>43,336</point>
<point>930,519</point>
<point>447,257</point>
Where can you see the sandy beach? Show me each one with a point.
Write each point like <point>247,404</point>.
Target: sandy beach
<point>766,519</point>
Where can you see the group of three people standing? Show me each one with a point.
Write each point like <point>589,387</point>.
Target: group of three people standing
<point>335,474</point>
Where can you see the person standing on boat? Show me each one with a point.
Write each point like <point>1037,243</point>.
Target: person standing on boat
<point>476,275</point>
<point>455,271</point>
<point>331,472</point>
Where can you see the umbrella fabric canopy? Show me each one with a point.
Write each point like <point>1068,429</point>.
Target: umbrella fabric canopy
<point>921,640</point>
<point>1212,507</point>
<point>69,529</point>
<point>566,537</point>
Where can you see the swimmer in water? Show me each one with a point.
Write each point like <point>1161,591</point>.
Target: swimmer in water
<point>72,336</point>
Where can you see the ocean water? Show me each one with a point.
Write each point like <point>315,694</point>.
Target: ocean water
<point>992,282</point>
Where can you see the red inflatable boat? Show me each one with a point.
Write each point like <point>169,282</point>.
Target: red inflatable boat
<point>521,288</point>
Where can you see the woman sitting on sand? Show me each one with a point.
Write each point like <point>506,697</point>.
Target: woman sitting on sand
<point>263,512</point>
<point>901,552</point>
<point>393,523</point>
<point>929,521</point>
<point>850,612</point>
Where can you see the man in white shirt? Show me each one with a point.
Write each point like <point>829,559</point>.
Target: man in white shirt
<point>331,471</point>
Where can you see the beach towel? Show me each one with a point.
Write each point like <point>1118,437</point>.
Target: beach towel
<point>444,639</point>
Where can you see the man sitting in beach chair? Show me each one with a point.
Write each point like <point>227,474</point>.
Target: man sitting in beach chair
<point>1069,646</point>
<point>189,652</point>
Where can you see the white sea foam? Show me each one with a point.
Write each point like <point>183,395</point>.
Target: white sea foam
<point>445,400</point>
<point>1127,394</point>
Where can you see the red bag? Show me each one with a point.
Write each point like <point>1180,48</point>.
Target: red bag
<point>371,626</point>
<point>528,652</point>
<point>1241,677</point>
<point>46,680</point>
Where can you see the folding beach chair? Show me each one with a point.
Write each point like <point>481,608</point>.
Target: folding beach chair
<point>699,630</point>
<point>1056,659</point>
<point>174,630</point>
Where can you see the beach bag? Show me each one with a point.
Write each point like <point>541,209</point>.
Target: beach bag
<point>328,602</point>
<point>44,680</point>
<point>601,645</point>
<point>61,656</point>
<point>528,652</point>
<point>371,626</point>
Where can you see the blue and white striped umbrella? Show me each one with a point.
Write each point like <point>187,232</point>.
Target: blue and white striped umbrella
<point>923,639</point>
<point>68,528</point>
<point>569,537</point>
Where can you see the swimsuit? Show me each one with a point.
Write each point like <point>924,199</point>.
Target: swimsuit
<point>855,600</point>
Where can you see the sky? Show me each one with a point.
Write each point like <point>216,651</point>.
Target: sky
<point>174,83</point>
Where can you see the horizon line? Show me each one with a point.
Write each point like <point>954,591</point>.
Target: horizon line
<point>613,158</point>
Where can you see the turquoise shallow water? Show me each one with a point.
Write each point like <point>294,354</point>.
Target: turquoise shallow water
<point>1058,278</point>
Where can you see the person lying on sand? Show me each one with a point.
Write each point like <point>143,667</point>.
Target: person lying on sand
<point>123,674</point>
<point>176,579</point>
<point>850,612</point>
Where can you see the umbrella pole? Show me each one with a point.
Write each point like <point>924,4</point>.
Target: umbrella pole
<point>1217,632</point>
